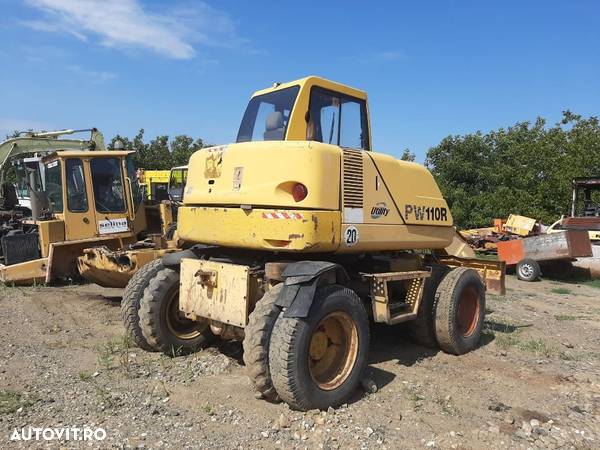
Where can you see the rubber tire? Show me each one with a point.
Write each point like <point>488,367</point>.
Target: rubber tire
<point>422,329</point>
<point>288,353</point>
<point>130,304</point>
<point>257,337</point>
<point>447,299</point>
<point>153,314</point>
<point>536,273</point>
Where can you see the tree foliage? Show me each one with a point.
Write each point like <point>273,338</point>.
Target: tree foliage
<point>159,153</point>
<point>525,169</point>
<point>407,155</point>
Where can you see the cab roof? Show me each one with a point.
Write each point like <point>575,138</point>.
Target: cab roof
<point>90,153</point>
<point>315,81</point>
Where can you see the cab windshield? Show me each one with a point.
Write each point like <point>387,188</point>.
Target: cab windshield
<point>28,174</point>
<point>109,193</point>
<point>266,117</point>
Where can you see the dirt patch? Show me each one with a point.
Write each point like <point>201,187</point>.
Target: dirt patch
<point>533,383</point>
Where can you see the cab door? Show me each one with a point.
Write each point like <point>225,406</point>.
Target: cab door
<point>80,220</point>
<point>109,195</point>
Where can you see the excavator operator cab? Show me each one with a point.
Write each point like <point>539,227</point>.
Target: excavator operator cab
<point>91,191</point>
<point>177,181</point>
<point>29,172</point>
<point>312,109</point>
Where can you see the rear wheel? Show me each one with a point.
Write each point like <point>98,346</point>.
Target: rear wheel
<point>256,342</point>
<point>422,329</point>
<point>130,304</point>
<point>528,270</point>
<point>163,325</point>
<point>317,361</point>
<point>459,311</point>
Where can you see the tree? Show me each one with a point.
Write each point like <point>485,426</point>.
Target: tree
<point>127,144</point>
<point>407,155</point>
<point>526,169</point>
<point>182,147</point>
<point>158,155</point>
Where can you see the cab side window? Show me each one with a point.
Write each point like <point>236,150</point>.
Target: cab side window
<point>76,195</point>
<point>137,191</point>
<point>337,119</point>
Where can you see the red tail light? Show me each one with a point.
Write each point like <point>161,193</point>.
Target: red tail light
<point>299,192</point>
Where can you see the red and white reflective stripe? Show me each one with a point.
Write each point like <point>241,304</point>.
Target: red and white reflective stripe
<point>282,215</point>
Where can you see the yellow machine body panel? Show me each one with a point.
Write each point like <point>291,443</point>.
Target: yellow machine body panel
<point>155,176</point>
<point>50,231</point>
<point>207,288</point>
<point>242,195</point>
<point>233,200</point>
<point>253,173</point>
<point>156,183</point>
<point>261,229</point>
<point>417,197</point>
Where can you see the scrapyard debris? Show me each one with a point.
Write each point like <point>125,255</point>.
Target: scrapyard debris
<point>485,240</point>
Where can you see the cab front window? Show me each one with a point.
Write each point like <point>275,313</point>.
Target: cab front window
<point>108,185</point>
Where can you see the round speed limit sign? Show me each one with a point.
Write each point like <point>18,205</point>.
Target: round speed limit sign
<point>350,236</point>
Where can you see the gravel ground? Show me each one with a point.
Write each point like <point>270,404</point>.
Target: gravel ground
<point>533,383</point>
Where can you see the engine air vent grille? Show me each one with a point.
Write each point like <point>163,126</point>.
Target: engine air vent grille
<point>353,178</point>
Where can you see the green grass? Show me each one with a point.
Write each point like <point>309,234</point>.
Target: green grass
<point>565,317</point>
<point>10,401</point>
<point>561,291</point>
<point>577,356</point>
<point>115,353</point>
<point>208,409</point>
<point>537,346</point>
<point>505,341</point>
<point>84,376</point>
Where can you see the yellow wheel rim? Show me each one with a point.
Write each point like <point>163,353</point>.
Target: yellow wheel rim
<point>333,350</point>
<point>179,325</point>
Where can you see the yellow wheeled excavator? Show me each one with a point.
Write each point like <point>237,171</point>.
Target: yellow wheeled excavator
<point>301,236</point>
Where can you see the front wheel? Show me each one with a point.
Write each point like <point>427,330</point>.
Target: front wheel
<point>163,325</point>
<point>317,361</point>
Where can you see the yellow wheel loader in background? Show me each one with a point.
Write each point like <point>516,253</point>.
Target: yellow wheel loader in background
<point>155,183</point>
<point>81,195</point>
<point>303,236</point>
<point>114,268</point>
